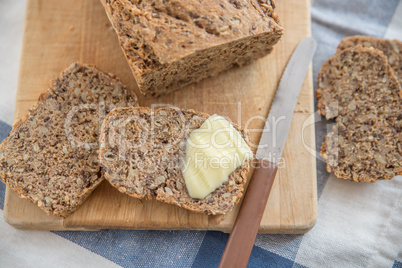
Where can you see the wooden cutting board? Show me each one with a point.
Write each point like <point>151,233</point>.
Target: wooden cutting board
<point>59,32</point>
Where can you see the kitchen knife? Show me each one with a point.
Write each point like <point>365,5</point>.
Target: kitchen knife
<point>269,152</point>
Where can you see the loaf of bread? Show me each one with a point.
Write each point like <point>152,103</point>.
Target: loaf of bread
<point>50,157</point>
<point>392,49</point>
<point>170,44</point>
<point>141,152</point>
<point>358,88</point>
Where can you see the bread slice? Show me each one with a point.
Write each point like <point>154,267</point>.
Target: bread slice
<point>392,49</point>
<point>50,157</point>
<point>354,79</point>
<point>359,89</point>
<point>141,152</point>
<point>170,44</point>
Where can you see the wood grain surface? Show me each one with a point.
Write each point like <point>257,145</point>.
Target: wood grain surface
<point>59,32</point>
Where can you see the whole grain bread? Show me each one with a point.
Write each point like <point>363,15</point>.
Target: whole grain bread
<point>358,88</point>
<point>170,44</point>
<point>141,152</point>
<point>50,157</point>
<point>392,49</point>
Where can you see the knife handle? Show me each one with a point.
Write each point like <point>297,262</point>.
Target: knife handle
<point>241,239</point>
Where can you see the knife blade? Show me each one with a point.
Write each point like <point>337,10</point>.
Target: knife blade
<point>272,142</point>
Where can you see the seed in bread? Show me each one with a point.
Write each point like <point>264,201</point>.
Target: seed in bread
<point>392,49</point>
<point>358,88</point>
<point>50,156</point>
<point>142,151</point>
<point>170,44</point>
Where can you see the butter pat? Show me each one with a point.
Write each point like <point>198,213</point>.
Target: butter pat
<point>213,152</point>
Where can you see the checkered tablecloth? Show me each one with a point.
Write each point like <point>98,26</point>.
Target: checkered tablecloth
<point>359,225</point>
